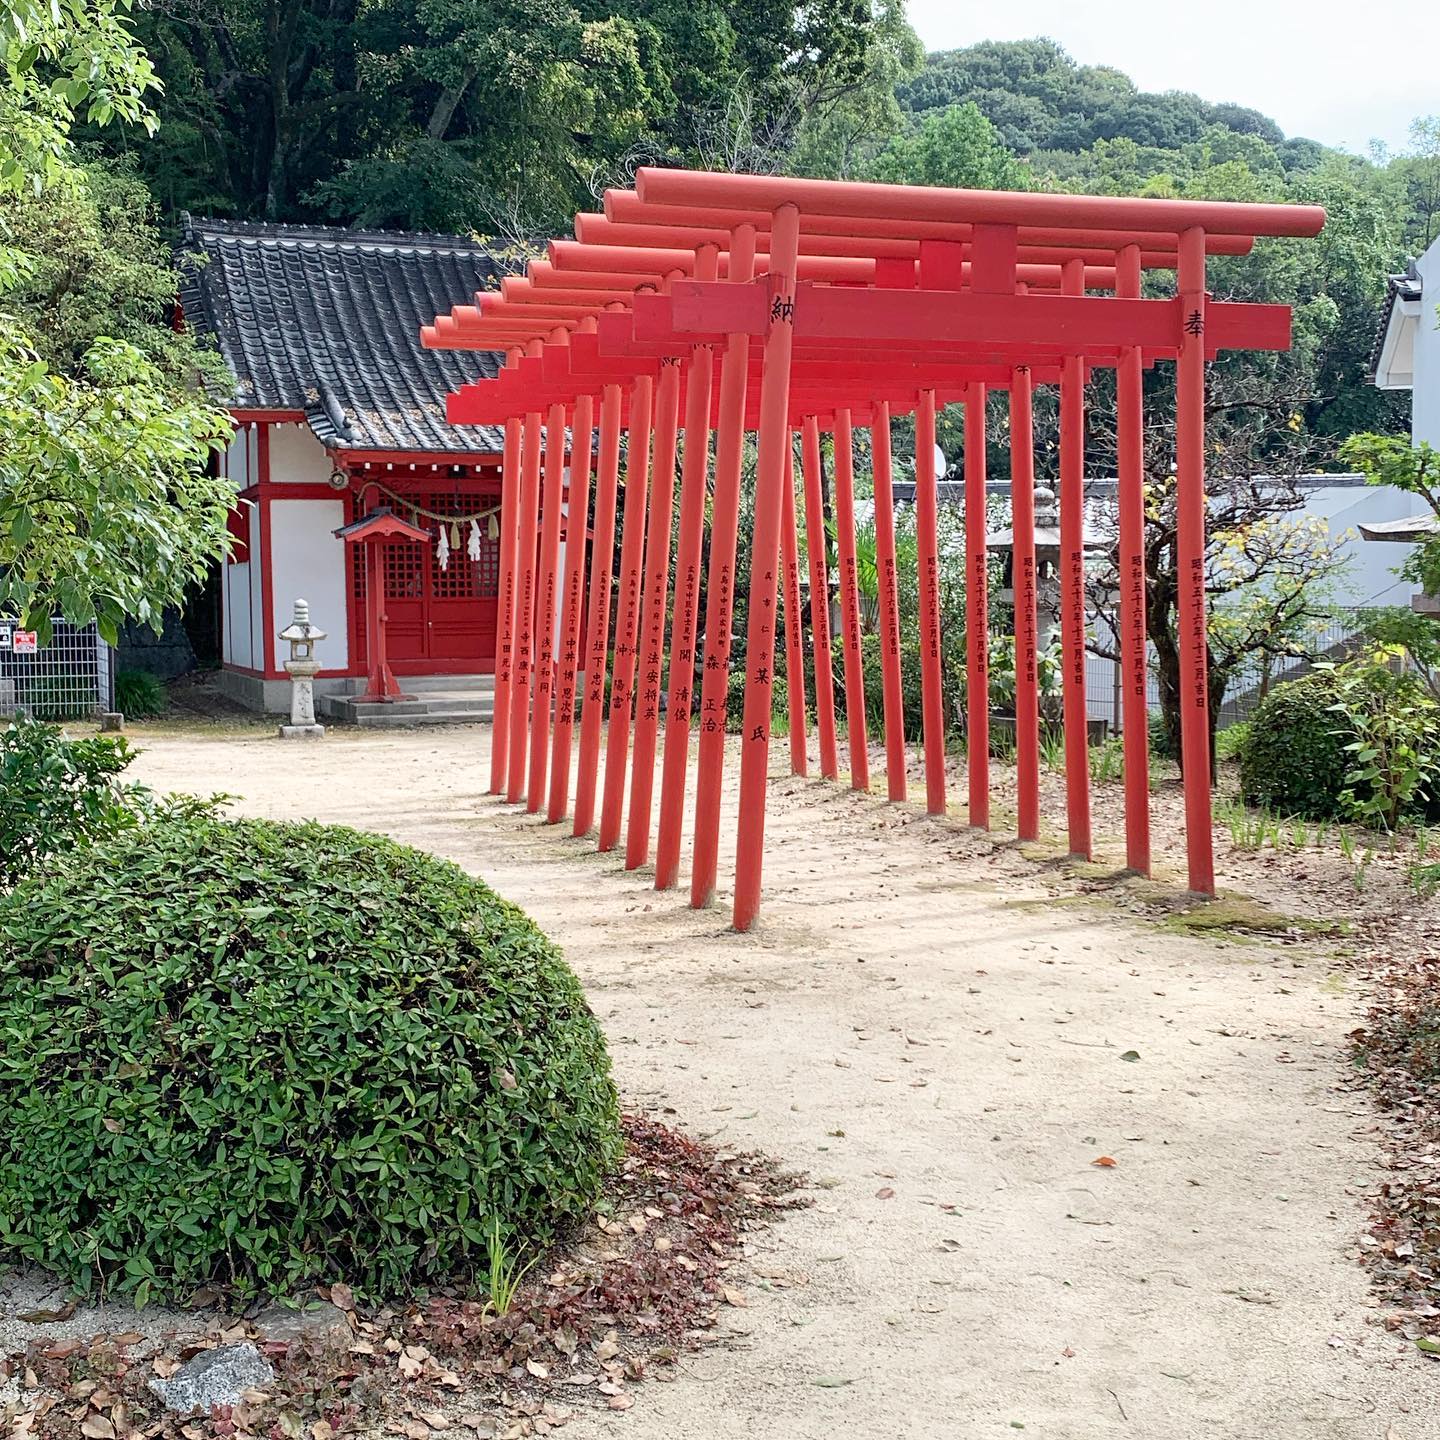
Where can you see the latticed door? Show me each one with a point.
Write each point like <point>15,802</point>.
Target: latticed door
<point>442,620</point>
<point>463,595</point>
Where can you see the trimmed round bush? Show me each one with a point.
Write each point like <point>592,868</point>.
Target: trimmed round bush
<point>261,1055</point>
<point>1293,761</point>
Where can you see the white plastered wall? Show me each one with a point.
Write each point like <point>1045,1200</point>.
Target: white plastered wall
<point>307,562</point>
<point>1425,423</point>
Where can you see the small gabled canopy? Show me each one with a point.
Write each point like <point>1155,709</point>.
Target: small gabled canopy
<point>382,524</point>
<point>1407,532</point>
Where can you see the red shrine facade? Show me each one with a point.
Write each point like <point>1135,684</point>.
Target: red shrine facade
<point>340,414</point>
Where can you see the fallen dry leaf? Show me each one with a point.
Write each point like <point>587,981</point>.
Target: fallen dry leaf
<point>1106,1162</point>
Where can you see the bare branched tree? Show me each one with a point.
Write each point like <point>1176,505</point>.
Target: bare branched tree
<point>1267,564</point>
<point>619,173</point>
<point>512,230</point>
<point>741,135</point>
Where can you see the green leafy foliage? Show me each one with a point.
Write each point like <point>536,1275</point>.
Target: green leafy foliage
<point>1049,677</point>
<point>99,265</point>
<point>1393,460</point>
<point>497,115</point>
<point>139,695</point>
<point>1162,739</point>
<point>957,146</point>
<point>105,507</point>
<point>779,695</point>
<point>63,61</point>
<point>1404,632</point>
<point>1393,763</point>
<point>1042,100</point>
<point>1230,742</point>
<point>56,794</point>
<point>912,708</point>
<point>256,1054</point>
<point>1294,759</point>
<point>1359,741</point>
<point>106,510</point>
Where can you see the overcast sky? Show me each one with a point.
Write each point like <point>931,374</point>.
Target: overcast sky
<point>1342,73</point>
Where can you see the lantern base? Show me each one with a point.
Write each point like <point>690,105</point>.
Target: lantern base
<point>302,732</point>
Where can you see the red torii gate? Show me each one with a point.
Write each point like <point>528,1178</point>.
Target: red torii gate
<point>827,304</point>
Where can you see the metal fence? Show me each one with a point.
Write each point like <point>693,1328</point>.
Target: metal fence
<point>71,678</point>
<point>1335,640</point>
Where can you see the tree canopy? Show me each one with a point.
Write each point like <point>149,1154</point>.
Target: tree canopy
<point>468,114</point>
<point>106,507</point>
<point>501,119</point>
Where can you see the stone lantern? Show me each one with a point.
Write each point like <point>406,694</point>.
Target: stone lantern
<point>1047,550</point>
<point>1047,560</point>
<point>302,664</point>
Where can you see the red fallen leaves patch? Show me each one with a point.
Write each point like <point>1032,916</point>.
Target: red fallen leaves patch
<point>587,1326</point>
<point>1398,1052</point>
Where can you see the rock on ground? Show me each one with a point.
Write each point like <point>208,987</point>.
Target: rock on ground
<point>318,1321</point>
<point>215,1377</point>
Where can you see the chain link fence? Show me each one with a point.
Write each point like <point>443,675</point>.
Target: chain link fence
<point>71,678</point>
<point>1336,640</point>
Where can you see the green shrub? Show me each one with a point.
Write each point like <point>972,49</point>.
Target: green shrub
<point>1293,761</point>
<point>139,695</point>
<point>735,700</point>
<point>1162,743</point>
<point>58,697</point>
<point>1231,741</point>
<point>56,794</point>
<point>912,699</point>
<point>258,1054</point>
<point>1393,761</point>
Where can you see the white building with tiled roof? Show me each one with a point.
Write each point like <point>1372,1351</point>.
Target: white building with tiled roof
<point>1407,348</point>
<point>340,411</point>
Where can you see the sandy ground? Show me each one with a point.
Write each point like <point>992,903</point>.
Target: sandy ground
<point>946,1046</point>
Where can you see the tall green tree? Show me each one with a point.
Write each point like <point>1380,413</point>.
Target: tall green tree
<point>467,114</point>
<point>106,507</point>
<point>956,146</point>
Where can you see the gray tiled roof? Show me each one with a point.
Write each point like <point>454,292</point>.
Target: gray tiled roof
<point>1397,287</point>
<point>328,321</point>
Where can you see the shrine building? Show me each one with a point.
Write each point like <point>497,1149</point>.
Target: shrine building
<point>340,413</point>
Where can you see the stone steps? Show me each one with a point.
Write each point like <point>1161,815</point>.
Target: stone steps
<point>469,702</point>
<point>426,717</point>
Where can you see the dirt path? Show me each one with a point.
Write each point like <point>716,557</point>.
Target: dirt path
<point>944,1048</point>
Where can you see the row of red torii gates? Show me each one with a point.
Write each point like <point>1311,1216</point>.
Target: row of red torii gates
<point>741,302</point>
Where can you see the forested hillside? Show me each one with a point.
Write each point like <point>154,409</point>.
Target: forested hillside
<point>503,118</point>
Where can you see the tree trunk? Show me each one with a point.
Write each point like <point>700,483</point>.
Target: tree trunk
<point>282,23</point>
<point>448,103</point>
<point>1167,670</point>
<point>347,77</point>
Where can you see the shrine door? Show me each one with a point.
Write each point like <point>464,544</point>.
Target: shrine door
<point>442,620</point>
